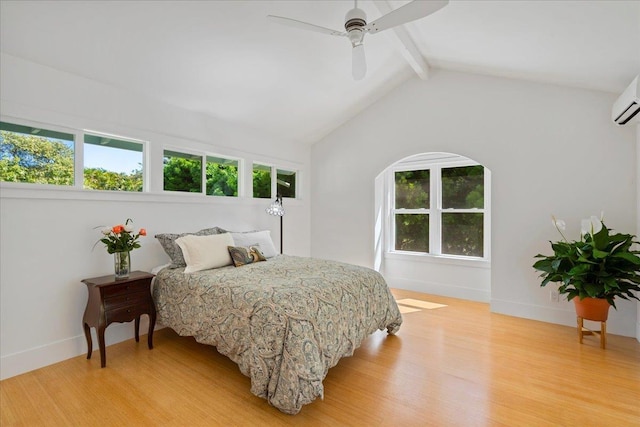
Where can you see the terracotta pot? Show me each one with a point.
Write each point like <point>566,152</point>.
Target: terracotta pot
<point>592,308</point>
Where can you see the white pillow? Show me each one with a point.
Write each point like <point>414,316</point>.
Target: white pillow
<point>252,238</point>
<point>205,252</point>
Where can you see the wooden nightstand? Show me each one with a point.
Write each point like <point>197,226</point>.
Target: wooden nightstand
<point>122,300</point>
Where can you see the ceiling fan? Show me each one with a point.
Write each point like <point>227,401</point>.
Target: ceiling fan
<point>356,26</point>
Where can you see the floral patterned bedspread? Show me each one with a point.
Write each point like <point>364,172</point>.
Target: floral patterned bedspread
<point>285,321</point>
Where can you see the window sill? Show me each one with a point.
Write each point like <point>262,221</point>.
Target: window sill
<point>11,190</point>
<point>439,259</point>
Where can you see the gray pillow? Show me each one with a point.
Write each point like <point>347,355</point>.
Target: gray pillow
<point>260,238</point>
<point>168,242</point>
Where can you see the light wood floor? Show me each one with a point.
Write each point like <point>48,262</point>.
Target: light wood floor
<point>454,366</point>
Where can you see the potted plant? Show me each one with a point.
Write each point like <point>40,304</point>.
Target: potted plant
<point>598,268</point>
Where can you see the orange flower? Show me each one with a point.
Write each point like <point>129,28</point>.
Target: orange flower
<point>142,232</point>
<point>117,229</point>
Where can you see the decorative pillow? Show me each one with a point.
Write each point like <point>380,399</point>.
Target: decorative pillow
<point>205,252</point>
<point>257,238</point>
<point>168,242</point>
<point>243,256</point>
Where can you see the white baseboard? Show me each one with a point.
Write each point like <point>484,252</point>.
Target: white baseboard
<point>563,315</point>
<point>439,289</point>
<point>39,357</point>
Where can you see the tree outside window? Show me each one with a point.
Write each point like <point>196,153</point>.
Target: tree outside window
<point>261,181</point>
<point>222,176</point>
<point>35,155</point>
<point>182,172</point>
<point>112,163</point>
<point>448,222</point>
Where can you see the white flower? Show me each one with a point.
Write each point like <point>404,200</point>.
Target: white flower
<point>105,230</point>
<point>591,226</point>
<point>559,224</point>
<point>128,228</point>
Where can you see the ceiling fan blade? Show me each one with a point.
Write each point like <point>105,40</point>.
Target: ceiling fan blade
<point>409,12</point>
<point>304,25</point>
<point>358,62</point>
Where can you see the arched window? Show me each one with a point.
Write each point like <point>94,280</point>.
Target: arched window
<point>438,204</point>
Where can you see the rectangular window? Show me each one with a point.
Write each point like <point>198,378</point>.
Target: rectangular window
<point>182,172</point>
<point>286,183</point>
<point>222,176</point>
<point>412,191</point>
<point>462,198</point>
<point>35,155</point>
<point>261,181</point>
<point>112,164</point>
<point>440,210</point>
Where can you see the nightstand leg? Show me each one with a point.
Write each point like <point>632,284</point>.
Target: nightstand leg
<point>103,350</point>
<point>137,326</point>
<point>152,325</point>
<point>87,334</point>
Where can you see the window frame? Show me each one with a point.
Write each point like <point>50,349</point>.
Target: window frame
<point>274,180</point>
<point>435,210</point>
<point>145,155</point>
<point>152,169</point>
<point>78,153</point>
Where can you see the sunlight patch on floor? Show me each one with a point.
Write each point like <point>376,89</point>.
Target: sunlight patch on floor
<point>410,304</point>
<point>404,309</point>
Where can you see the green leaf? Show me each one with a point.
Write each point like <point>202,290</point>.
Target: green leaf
<point>628,256</point>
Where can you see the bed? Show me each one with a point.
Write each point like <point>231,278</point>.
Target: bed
<point>285,321</point>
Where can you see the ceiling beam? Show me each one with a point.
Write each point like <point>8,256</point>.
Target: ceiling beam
<point>403,42</point>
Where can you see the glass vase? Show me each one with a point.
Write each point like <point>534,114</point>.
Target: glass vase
<point>122,264</point>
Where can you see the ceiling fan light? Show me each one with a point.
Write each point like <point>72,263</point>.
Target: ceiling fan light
<point>355,37</point>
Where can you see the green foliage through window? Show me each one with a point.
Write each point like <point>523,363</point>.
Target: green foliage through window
<point>463,187</point>
<point>182,172</point>
<point>33,155</point>
<point>222,177</point>
<point>412,189</point>
<point>459,220</point>
<point>261,181</point>
<point>412,232</point>
<point>463,234</point>
<point>102,173</point>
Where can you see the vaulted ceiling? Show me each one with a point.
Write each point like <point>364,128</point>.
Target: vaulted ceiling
<point>224,58</point>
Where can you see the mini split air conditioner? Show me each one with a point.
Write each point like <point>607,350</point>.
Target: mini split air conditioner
<point>627,106</point>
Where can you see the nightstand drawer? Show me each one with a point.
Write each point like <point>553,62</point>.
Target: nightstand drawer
<point>127,299</point>
<point>127,313</point>
<point>125,288</point>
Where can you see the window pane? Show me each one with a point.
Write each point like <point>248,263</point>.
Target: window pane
<point>261,181</point>
<point>463,188</point>
<point>412,232</point>
<point>286,181</point>
<point>182,172</point>
<point>222,176</point>
<point>112,164</point>
<point>462,234</point>
<point>35,155</point>
<point>412,189</point>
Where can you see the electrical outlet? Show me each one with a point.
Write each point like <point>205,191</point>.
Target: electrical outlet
<point>554,296</point>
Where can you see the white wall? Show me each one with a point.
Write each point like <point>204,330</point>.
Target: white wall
<point>551,150</point>
<point>46,236</point>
